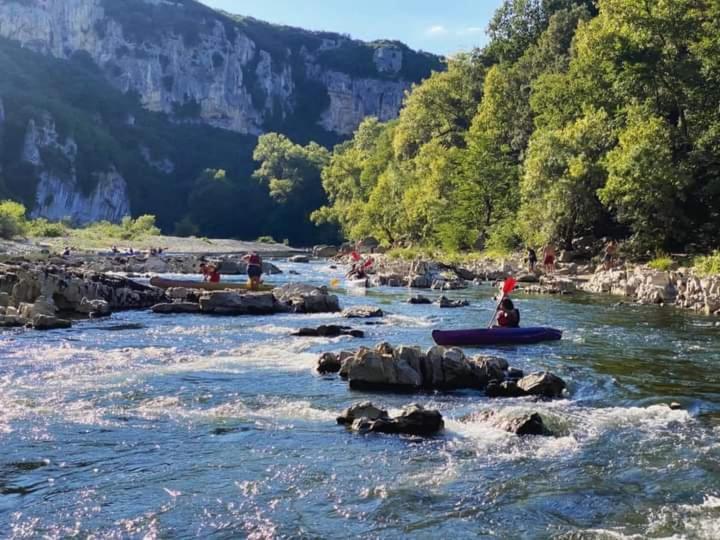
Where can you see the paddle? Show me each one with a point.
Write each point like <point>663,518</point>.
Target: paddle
<point>507,288</point>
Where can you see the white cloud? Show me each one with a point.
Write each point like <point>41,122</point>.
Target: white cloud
<point>436,30</point>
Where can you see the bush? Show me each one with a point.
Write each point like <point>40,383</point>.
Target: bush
<point>12,219</point>
<point>128,229</point>
<point>503,237</point>
<point>266,240</point>
<point>708,264</point>
<point>661,262</point>
<point>47,229</point>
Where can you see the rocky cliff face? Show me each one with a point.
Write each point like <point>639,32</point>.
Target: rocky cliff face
<point>213,72</point>
<point>58,195</point>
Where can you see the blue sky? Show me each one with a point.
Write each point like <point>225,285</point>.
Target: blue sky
<point>438,26</point>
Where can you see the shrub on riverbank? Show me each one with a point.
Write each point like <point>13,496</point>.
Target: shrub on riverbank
<point>663,263</point>
<point>708,264</point>
<point>12,219</point>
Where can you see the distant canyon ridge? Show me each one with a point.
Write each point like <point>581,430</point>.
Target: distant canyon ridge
<point>129,92</point>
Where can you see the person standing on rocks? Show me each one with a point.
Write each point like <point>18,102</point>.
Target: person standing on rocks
<point>531,259</point>
<point>610,255</point>
<point>254,270</point>
<point>549,255</point>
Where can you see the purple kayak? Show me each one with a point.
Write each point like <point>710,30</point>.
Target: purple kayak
<point>495,336</point>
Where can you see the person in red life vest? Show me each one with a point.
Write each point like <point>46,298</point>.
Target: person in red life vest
<point>508,316</point>
<point>213,274</point>
<point>204,271</point>
<point>254,270</point>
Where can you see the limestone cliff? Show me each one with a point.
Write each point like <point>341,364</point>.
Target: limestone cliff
<point>201,65</point>
<point>58,194</point>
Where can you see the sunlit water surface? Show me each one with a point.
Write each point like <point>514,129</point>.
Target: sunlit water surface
<point>185,426</point>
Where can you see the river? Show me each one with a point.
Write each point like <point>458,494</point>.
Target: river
<point>179,426</point>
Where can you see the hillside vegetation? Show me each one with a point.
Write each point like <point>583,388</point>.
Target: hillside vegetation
<point>578,118</point>
<point>209,189</point>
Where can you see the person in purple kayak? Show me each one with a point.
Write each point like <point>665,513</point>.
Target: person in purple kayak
<point>508,315</point>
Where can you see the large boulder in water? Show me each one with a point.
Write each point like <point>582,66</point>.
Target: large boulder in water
<point>414,419</point>
<point>408,369</point>
<point>300,298</point>
<point>543,384</point>
<point>363,312</point>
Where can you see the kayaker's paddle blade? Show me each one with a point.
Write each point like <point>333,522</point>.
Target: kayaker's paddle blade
<point>509,286</point>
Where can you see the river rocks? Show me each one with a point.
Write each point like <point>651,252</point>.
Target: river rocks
<point>363,312</point>
<point>237,303</point>
<point>419,300</point>
<point>414,419</point>
<point>300,298</point>
<point>551,285</point>
<point>363,409</point>
<point>333,363</point>
<point>94,309</point>
<point>330,330</point>
<point>543,384</point>
<point>448,285</point>
<point>44,289</point>
<point>419,281</point>
<point>177,308</point>
<point>292,298</point>
<point>444,302</point>
<point>408,369</point>
<point>11,321</point>
<point>328,363</point>
<point>299,259</point>
<point>388,279</point>
<point>324,251</point>
<point>45,322</point>
<point>519,424</point>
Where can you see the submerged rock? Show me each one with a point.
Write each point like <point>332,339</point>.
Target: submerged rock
<point>299,259</point>
<point>444,302</point>
<point>330,330</point>
<point>414,419</point>
<point>520,424</point>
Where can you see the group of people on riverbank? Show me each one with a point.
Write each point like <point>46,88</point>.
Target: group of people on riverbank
<point>549,257</point>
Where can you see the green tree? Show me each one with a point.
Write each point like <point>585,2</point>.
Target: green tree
<point>441,108</point>
<point>645,187</point>
<point>562,173</point>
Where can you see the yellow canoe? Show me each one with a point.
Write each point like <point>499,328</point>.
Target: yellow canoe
<point>164,283</point>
